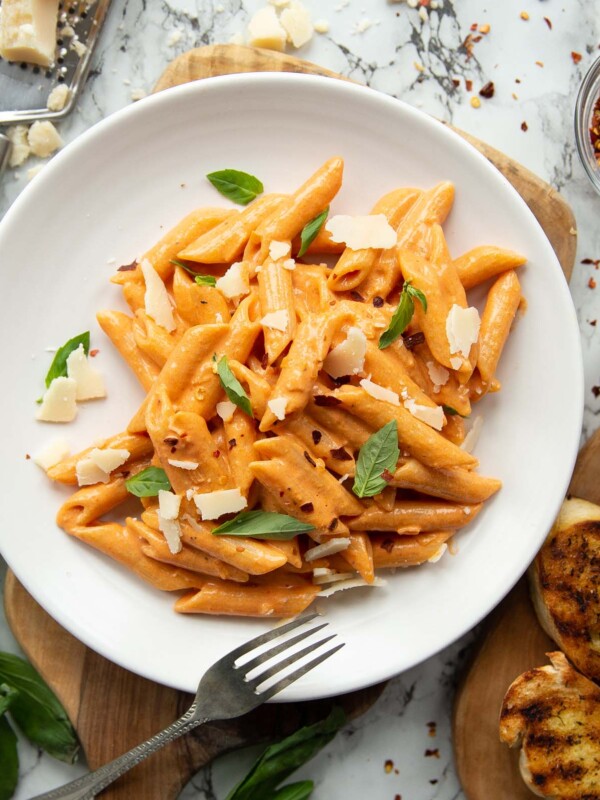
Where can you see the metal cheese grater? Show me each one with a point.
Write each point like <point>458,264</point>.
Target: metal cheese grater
<point>24,88</point>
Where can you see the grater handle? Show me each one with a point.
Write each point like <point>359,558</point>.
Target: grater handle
<point>5,148</point>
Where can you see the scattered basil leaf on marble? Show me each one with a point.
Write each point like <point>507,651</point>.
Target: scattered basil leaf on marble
<point>148,482</point>
<point>233,388</point>
<point>7,695</point>
<point>36,711</point>
<point>280,760</point>
<point>294,791</point>
<point>403,314</point>
<point>379,453</point>
<point>310,231</point>
<point>9,760</point>
<point>58,367</point>
<point>235,185</point>
<point>263,525</point>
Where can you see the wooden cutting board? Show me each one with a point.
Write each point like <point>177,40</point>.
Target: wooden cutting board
<point>112,709</point>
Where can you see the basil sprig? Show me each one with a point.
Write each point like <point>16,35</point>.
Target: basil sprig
<point>58,367</point>
<point>233,388</point>
<point>9,760</point>
<point>403,314</point>
<point>379,453</point>
<point>310,231</point>
<point>280,760</point>
<point>201,280</point>
<point>235,185</point>
<point>263,525</point>
<point>148,482</point>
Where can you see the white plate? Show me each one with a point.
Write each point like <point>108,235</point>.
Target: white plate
<point>110,195</point>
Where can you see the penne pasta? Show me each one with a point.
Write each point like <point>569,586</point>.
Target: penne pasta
<point>482,263</point>
<point>500,308</point>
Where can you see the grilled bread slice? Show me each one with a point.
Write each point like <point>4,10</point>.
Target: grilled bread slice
<point>565,585</point>
<point>553,713</point>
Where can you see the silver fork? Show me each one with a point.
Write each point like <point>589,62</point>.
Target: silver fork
<point>226,690</point>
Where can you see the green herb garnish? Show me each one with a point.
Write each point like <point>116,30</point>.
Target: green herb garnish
<point>379,453</point>
<point>58,367</point>
<point>403,314</point>
<point>263,525</point>
<point>148,482</point>
<point>233,388</point>
<point>310,231</point>
<point>9,760</point>
<point>235,185</point>
<point>201,280</point>
<point>452,412</point>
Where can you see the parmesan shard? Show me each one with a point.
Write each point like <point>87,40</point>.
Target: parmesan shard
<point>289,264</point>
<point>276,320</point>
<point>98,465</point>
<point>156,298</point>
<point>462,329</point>
<point>52,453</point>
<point>380,392</point>
<point>234,283</point>
<point>361,233</point>
<point>472,436</point>
<point>213,505</point>
<point>279,250</point>
<point>168,504</point>
<point>89,473</point>
<point>171,530</point>
<point>335,545</point>
<point>438,375</point>
<point>353,583</point>
<point>43,139</point>
<point>436,556</point>
<point>226,409</point>
<point>456,362</point>
<point>183,464</point>
<point>278,407</point>
<point>28,31</point>
<point>58,403</point>
<point>348,358</point>
<point>434,417</point>
<point>297,23</point>
<point>90,384</point>
<point>58,97</point>
<point>20,150</point>
<point>265,30</point>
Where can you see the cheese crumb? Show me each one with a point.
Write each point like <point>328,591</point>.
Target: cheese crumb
<point>183,464</point>
<point>348,358</point>
<point>278,407</point>
<point>436,556</point>
<point>58,403</point>
<point>321,26</point>
<point>297,23</point>
<point>174,37</point>
<point>78,47</point>
<point>279,250</point>
<point>456,362</point>
<point>168,504</point>
<point>438,375</point>
<point>98,465</point>
<point>431,416</point>
<point>235,281</point>
<point>265,30</point>
<point>362,232</point>
<point>380,392</point>
<point>90,384</point>
<point>226,409</point>
<point>213,505</point>
<point>20,150</point>
<point>364,24</point>
<point>33,171</point>
<point>171,530</point>
<point>57,99</point>
<point>138,94</point>
<point>462,329</point>
<point>52,453</point>
<point>43,139</point>
<point>276,320</point>
<point>156,299</point>
<point>289,263</point>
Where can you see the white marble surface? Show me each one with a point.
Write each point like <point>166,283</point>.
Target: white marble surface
<point>137,44</point>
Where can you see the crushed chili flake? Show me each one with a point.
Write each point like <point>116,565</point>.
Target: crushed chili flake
<point>340,454</point>
<point>342,380</point>
<point>310,460</point>
<point>424,3</point>
<point>456,82</point>
<point>596,391</point>
<point>377,301</point>
<point>548,22</point>
<point>216,453</point>
<point>539,63</point>
<point>398,797</point>
<point>356,296</point>
<point>432,729</point>
<point>128,267</point>
<point>316,436</point>
<point>435,753</point>
<point>592,283</point>
<point>387,545</point>
<point>264,361</point>
<point>467,46</point>
<point>308,508</point>
<point>468,84</point>
<point>487,91</point>
<point>387,475</point>
<point>594,261</point>
<point>94,353</point>
<point>517,80</point>
<point>326,400</point>
<point>576,57</point>
<point>484,28</point>
<point>524,15</point>
<point>333,524</point>
<point>595,130</point>
<point>593,322</point>
<point>477,39</point>
<point>27,457</point>
<point>411,341</point>
<point>433,781</point>
<point>524,126</point>
<point>388,766</point>
<point>232,443</point>
<point>171,440</point>
<point>473,27</point>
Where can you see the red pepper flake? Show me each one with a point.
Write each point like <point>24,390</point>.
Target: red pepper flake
<point>333,524</point>
<point>592,283</point>
<point>310,460</point>
<point>216,453</point>
<point>473,27</point>
<point>487,91</point>
<point>433,781</point>
<point>411,341</point>
<point>398,797</point>
<point>377,301</point>
<point>128,267</point>
<point>594,261</point>
<point>340,454</point>
<point>548,22</point>
<point>424,3</point>
<point>387,475</point>
<point>328,400</point>
<point>576,57</point>
<point>27,457</point>
<point>357,297</point>
<point>477,39</point>
<point>316,436</point>
<point>593,322</point>
<point>468,84</point>
<point>307,508</point>
<point>524,126</point>
<point>435,753</point>
<point>517,80</point>
<point>388,766</point>
<point>596,391</point>
<point>467,46</point>
<point>432,729</point>
<point>456,82</point>
<point>171,440</point>
<point>94,353</point>
<point>232,443</point>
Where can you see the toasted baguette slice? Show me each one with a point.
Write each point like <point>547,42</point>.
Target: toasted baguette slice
<point>553,713</point>
<point>565,585</point>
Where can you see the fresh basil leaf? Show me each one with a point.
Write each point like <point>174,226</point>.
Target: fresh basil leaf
<point>148,482</point>
<point>379,453</point>
<point>235,185</point>
<point>310,231</point>
<point>263,525</point>
<point>9,760</point>
<point>280,760</point>
<point>205,280</point>
<point>402,315</point>
<point>58,367</point>
<point>233,388</point>
<point>452,412</point>
<point>36,710</point>
<point>183,266</point>
<point>294,791</point>
<point>7,695</point>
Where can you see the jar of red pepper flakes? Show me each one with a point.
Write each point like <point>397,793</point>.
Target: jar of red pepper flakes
<point>587,123</point>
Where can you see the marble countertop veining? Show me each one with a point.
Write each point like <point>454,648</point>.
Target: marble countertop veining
<point>530,117</point>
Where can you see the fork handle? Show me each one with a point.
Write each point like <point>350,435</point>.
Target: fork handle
<point>90,785</point>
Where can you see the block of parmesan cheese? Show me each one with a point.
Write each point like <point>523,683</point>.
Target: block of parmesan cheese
<point>28,31</point>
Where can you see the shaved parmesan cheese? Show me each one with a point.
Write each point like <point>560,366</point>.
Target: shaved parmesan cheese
<point>321,572</point>
<point>189,494</point>
<point>276,320</point>
<point>52,453</point>
<point>331,577</point>
<point>168,504</point>
<point>456,362</point>
<point>297,23</point>
<point>431,416</point>
<point>438,375</point>
<point>28,31</point>
<point>436,556</point>
<point>348,358</point>
<point>43,138</point>
<point>57,99</point>
<point>171,530</point>
<point>265,30</point>
<point>472,436</point>
<point>279,250</point>
<point>109,459</point>
<point>335,545</point>
<point>58,403</point>
<point>379,392</point>
<point>90,384</point>
<point>360,233</point>
<point>354,583</point>
<point>225,410</point>
<point>462,329</point>
<point>156,299</point>
<point>290,264</point>
<point>234,283</point>
<point>213,505</point>
<point>183,464</point>
<point>89,473</point>
<point>278,406</point>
